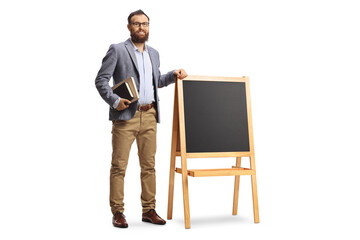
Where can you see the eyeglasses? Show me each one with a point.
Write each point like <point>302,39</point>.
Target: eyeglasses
<point>137,24</point>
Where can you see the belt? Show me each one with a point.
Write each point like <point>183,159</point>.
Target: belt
<point>145,107</point>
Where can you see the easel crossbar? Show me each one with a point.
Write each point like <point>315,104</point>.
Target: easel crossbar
<point>235,171</point>
<point>214,154</point>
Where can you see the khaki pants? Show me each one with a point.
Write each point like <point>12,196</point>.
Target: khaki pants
<point>141,127</point>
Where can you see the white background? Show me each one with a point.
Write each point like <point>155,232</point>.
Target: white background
<point>302,58</point>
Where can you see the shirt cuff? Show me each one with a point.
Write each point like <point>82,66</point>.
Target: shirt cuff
<point>116,103</point>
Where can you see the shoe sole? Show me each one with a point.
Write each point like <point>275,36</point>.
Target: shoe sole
<point>147,220</point>
<point>120,226</point>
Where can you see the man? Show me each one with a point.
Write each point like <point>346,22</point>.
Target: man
<point>137,120</point>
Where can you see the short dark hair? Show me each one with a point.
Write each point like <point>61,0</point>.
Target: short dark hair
<point>138,12</point>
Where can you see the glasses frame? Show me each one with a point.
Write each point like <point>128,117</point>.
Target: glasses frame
<point>138,24</point>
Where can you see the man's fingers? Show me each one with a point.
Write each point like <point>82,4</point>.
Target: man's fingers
<point>180,73</point>
<point>123,104</point>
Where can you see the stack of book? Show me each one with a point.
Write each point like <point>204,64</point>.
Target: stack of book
<point>127,89</point>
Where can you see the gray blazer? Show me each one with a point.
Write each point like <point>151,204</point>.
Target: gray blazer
<point>120,63</point>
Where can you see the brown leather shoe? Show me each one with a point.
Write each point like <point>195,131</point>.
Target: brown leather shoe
<point>152,217</point>
<point>119,220</point>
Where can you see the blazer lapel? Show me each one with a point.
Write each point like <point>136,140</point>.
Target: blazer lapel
<point>130,49</point>
<point>153,65</point>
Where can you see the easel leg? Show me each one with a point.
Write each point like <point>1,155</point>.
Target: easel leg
<point>254,191</point>
<point>185,193</point>
<point>171,186</point>
<point>175,132</point>
<point>184,173</point>
<point>236,188</point>
<point>174,141</point>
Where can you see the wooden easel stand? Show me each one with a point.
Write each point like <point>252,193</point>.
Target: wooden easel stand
<point>178,148</point>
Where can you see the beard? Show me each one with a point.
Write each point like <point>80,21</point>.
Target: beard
<point>136,38</point>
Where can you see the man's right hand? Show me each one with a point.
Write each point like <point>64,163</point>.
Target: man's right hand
<point>123,104</point>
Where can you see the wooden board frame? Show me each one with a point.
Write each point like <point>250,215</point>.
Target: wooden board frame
<point>178,148</point>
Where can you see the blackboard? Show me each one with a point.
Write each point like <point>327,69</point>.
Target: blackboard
<point>215,116</point>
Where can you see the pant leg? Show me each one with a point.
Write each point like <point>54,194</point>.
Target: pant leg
<point>146,142</point>
<point>123,135</point>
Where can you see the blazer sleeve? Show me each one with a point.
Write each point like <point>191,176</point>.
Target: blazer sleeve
<point>167,78</point>
<point>104,75</point>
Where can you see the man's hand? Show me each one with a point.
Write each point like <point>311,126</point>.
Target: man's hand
<point>123,104</point>
<point>180,74</point>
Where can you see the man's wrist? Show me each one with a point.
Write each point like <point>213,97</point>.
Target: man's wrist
<point>116,103</point>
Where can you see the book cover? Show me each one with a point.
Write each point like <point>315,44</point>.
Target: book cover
<point>127,89</point>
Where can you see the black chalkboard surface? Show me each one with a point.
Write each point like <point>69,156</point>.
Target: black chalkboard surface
<point>215,116</point>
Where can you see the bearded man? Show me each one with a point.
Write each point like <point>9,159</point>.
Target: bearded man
<point>137,120</point>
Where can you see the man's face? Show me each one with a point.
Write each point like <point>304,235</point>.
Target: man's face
<point>138,32</point>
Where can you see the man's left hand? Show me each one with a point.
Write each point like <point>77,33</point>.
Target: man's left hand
<point>180,74</point>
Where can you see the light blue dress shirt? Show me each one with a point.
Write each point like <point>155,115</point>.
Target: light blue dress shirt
<point>146,90</point>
